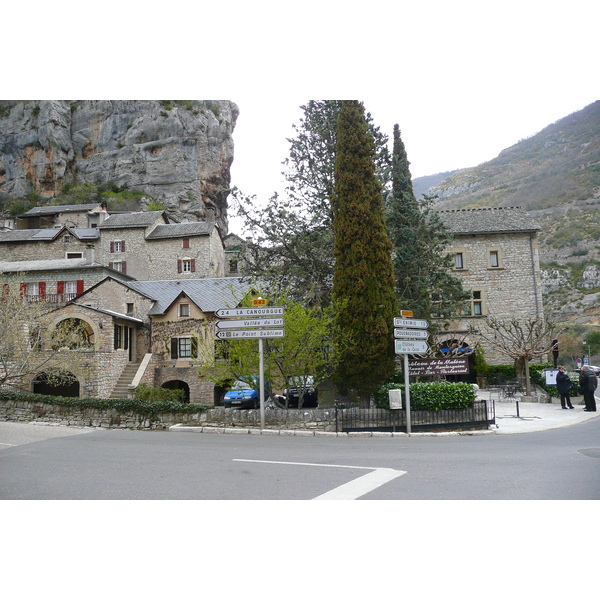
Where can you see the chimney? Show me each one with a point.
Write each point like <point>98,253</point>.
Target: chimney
<point>89,254</point>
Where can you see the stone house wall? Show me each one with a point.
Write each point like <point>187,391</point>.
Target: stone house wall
<point>513,289</point>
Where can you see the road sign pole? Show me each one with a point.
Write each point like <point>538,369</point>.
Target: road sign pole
<point>261,382</point>
<point>407,393</point>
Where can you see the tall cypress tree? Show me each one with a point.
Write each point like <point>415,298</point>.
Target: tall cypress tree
<point>421,266</point>
<point>363,281</point>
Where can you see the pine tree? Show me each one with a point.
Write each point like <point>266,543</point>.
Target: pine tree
<point>363,281</point>
<point>421,265</point>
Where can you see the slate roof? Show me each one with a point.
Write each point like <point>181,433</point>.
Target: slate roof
<point>112,313</point>
<point>47,235</point>
<point>129,220</point>
<point>56,264</point>
<point>38,211</point>
<point>208,294</point>
<point>478,221</point>
<point>176,230</point>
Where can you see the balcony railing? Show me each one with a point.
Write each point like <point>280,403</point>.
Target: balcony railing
<point>50,298</point>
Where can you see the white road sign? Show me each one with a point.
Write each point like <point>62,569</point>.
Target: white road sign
<point>418,323</point>
<point>242,323</point>
<point>235,334</point>
<point>411,334</point>
<point>411,347</point>
<point>255,311</point>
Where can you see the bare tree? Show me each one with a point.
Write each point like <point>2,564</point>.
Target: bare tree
<point>520,339</point>
<point>27,347</point>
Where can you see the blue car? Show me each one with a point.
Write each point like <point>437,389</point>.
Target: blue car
<point>244,395</point>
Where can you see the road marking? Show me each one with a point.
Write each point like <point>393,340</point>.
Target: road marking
<point>348,491</point>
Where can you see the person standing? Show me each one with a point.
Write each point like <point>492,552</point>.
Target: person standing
<point>563,385</point>
<point>588,382</point>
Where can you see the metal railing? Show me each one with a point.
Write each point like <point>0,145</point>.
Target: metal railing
<point>348,418</point>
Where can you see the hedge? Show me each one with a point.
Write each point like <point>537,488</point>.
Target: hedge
<point>141,407</point>
<point>431,396</point>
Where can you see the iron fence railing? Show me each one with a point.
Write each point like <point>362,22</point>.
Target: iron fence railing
<point>481,414</point>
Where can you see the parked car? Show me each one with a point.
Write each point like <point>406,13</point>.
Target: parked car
<point>245,395</point>
<point>592,368</point>
<point>292,392</point>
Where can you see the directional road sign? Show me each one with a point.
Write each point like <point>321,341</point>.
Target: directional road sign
<point>411,334</point>
<point>249,333</point>
<point>257,311</point>
<point>418,323</point>
<point>242,323</point>
<point>411,347</point>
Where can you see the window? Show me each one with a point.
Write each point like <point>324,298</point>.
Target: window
<point>33,289</point>
<point>122,334</point>
<point>67,290</point>
<point>494,259</point>
<point>474,306</point>
<point>117,246</point>
<point>186,265</point>
<point>458,261</point>
<point>233,265</point>
<point>74,254</point>
<point>184,347</point>
<point>184,310</point>
<point>186,243</point>
<point>118,265</point>
<point>129,308</point>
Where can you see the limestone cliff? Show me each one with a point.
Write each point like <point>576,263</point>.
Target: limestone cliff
<point>178,152</point>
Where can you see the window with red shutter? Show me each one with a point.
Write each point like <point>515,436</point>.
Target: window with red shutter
<point>42,289</point>
<point>60,287</point>
<point>80,286</point>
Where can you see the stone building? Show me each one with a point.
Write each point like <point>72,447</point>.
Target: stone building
<point>153,332</point>
<point>142,245</point>
<point>495,255</point>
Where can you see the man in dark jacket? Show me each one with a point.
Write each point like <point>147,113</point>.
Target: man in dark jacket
<point>588,382</point>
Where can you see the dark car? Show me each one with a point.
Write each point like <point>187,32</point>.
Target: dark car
<point>245,395</point>
<point>292,392</point>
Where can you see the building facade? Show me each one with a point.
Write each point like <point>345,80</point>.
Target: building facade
<point>495,255</point>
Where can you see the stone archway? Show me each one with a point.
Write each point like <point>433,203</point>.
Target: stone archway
<point>73,333</point>
<point>66,384</point>
<point>177,384</point>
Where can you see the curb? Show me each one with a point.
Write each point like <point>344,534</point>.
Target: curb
<point>311,433</point>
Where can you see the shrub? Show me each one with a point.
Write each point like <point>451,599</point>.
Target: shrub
<point>431,396</point>
<point>145,408</point>
<point>152,394</point>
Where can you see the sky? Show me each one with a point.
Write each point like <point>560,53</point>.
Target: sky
<point>463,79</point>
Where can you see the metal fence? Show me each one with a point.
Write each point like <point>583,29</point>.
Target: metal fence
<point>352,418</point>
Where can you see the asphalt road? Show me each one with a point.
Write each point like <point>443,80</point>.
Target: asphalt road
<point>46,462</point>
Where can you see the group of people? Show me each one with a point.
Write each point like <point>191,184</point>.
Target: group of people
<point>588,382</point>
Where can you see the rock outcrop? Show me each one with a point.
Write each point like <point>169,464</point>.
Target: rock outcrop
<point>177,152</point>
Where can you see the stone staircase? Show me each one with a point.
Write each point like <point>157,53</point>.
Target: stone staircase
<point>121,390</point>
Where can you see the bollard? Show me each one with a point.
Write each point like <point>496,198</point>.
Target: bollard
<point>517,403</point>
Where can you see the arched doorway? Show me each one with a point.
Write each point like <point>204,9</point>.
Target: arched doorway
<point>65,384</point>
<point>177,384</point>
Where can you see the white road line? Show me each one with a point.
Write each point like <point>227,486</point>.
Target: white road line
<point>349,491</point>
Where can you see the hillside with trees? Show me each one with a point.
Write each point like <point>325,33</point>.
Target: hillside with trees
<point>555,175</point>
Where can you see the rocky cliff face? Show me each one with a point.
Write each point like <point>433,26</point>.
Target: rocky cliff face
<point>178,152</point>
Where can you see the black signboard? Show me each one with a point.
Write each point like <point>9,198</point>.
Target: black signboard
<point>438,366</point>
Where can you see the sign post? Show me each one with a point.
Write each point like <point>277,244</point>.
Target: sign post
<point>236,328</point>
<point>411,341</point>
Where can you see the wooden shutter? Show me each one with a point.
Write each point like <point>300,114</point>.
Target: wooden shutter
<point>186,242</point>
<point>124,267</point>
<point>122,245</point>
<point>193,265</point>
<point>112,246</point>
<point>5,290</point>
<point>23,288</point>
<point>80,286</point>
<point>179,266</point>
<point>42,289</point>
<point>174,348</point>
<point>60,287</point>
